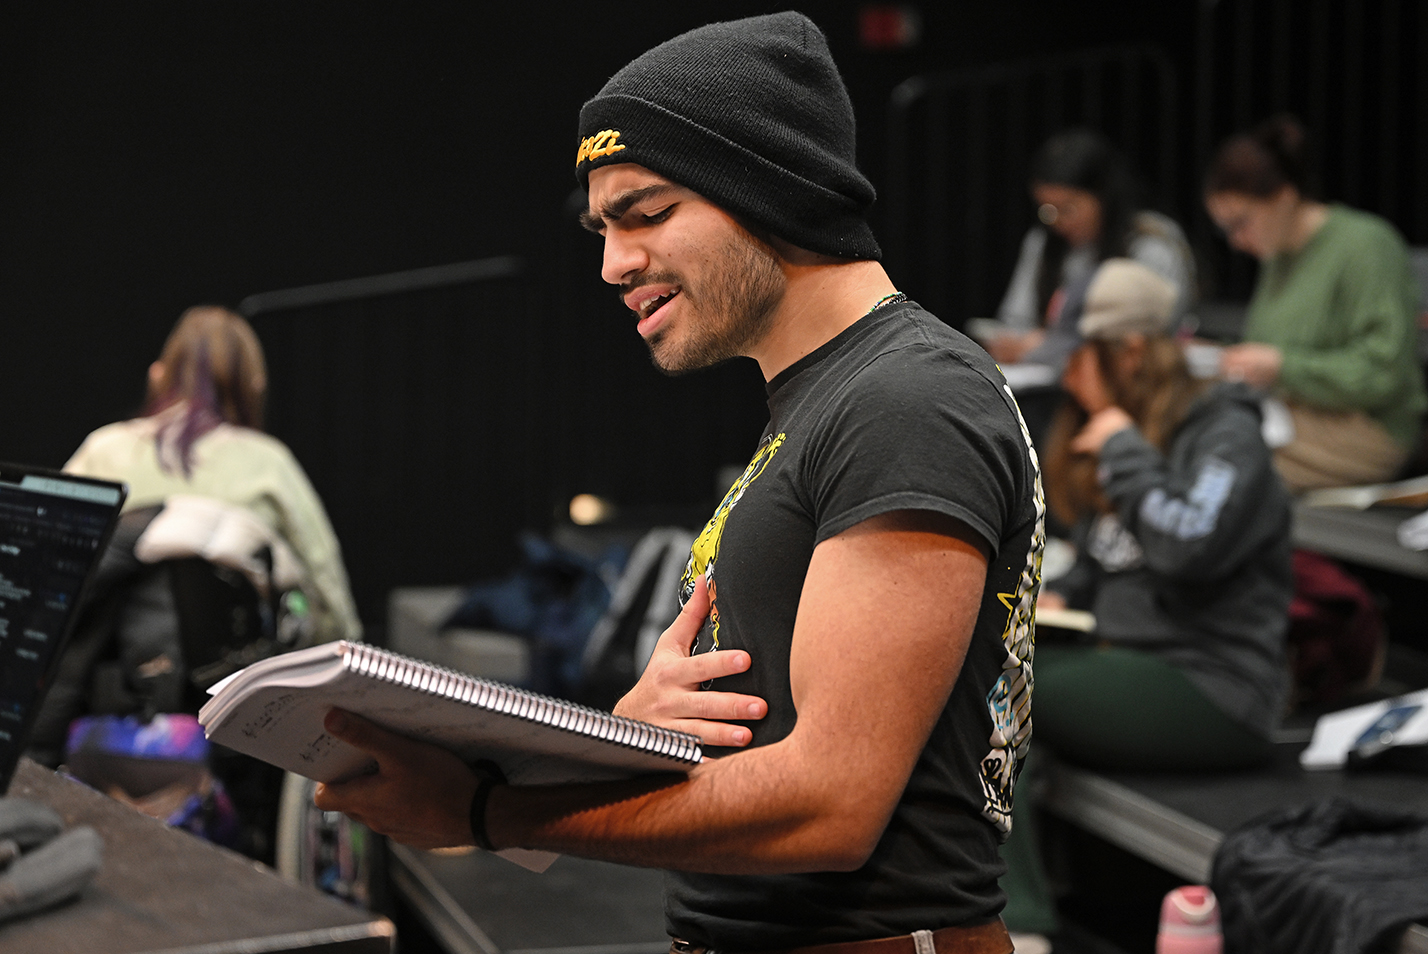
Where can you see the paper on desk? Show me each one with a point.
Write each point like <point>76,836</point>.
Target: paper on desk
<point>1412,492</point>
<point>985,329</point>
<point>1413,532</point>
<point>1276,423</point>
<point>1336,732</point>
<point>1079,620</point>
<point>1024,375</point>
<point>1203,358</point>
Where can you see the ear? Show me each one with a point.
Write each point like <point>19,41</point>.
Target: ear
<point>156,376</point>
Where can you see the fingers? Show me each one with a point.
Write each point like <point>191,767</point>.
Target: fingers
<point>698,601</point>
<point>418,794</point>
<point>359,733</point>
<point>680,636</point>
<point>703,714</point>
<point>720,733</point>
<point>669,692</point>
<point>330,798</point>
<point>692,671</point>
<point>728,705</point>
<point>713,708</point>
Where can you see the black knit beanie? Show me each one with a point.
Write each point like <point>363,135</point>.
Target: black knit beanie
<point>752,115</point>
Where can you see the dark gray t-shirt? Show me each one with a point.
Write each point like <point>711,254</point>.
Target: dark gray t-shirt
<point>899,412</point>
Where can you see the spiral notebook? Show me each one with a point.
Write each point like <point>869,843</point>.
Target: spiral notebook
<point>273,710</point>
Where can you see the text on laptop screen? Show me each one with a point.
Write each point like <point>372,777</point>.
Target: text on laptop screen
<point>51,530</point>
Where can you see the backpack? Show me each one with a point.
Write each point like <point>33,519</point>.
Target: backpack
<point>162,621</point>
<point>644,603</point>
<point>1336,631</point>
<point>552,599</point>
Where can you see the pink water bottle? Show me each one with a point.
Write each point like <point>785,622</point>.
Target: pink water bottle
<point>1190,922</point>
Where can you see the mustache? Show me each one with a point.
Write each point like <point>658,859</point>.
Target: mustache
<point>652,278</point>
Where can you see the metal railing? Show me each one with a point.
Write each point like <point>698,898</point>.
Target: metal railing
<point>411,399</point>
<point>377,286</point>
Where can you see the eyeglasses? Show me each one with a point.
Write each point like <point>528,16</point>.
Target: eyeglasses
<point>1052,212</point>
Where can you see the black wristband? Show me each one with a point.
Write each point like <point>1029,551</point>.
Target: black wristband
<point>478,812</point>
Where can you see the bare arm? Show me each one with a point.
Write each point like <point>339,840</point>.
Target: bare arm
<point>880,601</point>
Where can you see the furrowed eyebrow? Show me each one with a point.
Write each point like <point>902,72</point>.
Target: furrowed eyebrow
<point>617,206</point>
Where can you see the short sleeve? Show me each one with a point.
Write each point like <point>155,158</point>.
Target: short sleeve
<point>920,429</point>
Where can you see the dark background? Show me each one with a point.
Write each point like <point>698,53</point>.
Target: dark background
<point>160,154</point>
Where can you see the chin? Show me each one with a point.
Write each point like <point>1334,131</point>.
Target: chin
<point>666,355</point>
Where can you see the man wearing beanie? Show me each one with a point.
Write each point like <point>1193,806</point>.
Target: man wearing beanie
<point>860,604</point>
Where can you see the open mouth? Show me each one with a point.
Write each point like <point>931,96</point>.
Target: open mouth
<point>655,304</point>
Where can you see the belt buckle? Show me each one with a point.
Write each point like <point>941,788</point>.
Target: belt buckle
<point>678,945</point>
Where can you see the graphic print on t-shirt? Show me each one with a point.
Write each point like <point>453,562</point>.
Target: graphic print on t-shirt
<point>1009,701</point>
<point>705,552</point>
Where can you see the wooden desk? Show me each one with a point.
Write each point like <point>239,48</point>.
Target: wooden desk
<point>163,890</point>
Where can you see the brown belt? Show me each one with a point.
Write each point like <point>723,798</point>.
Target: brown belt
<point>989,938</point>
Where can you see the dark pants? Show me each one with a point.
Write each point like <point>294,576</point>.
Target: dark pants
<point>1110,709</point>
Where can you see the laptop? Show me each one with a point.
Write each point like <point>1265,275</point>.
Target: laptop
<point>53,529</point>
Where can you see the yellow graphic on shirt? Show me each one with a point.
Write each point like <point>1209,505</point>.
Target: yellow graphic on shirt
<point>705,552</point>
<point>1009,701</point>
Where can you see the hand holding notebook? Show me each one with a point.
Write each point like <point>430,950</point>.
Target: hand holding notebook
<point>275,710</point>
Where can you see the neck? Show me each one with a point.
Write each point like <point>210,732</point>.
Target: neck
<point>823,298</point>
<point>1308,218</point>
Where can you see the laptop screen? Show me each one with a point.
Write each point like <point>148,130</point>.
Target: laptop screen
<point>53,528</point>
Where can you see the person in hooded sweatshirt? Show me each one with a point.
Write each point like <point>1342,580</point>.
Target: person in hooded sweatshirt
<point>1182,533</point>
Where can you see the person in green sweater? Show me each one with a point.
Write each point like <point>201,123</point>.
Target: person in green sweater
<point>1331,328</point>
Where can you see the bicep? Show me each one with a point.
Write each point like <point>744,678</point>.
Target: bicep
<point>884,621</point>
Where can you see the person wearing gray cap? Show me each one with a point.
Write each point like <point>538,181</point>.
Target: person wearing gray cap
<point>866,586</point>
<point>1182,532</point>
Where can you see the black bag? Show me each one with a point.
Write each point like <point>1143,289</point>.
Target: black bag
<point>151,637</point>
<point>552,599</point>
<point>1331,876</point>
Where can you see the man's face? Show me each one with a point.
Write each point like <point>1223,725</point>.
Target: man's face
<point>701,286</point>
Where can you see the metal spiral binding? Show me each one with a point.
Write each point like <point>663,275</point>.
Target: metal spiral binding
<point>518,703</point>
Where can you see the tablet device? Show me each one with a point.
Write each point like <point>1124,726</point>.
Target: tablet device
<point>53,528</point>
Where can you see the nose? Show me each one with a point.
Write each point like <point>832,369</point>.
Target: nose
<point>625,257</point>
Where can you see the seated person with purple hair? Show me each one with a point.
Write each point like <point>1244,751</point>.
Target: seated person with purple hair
<point>201,436</point>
